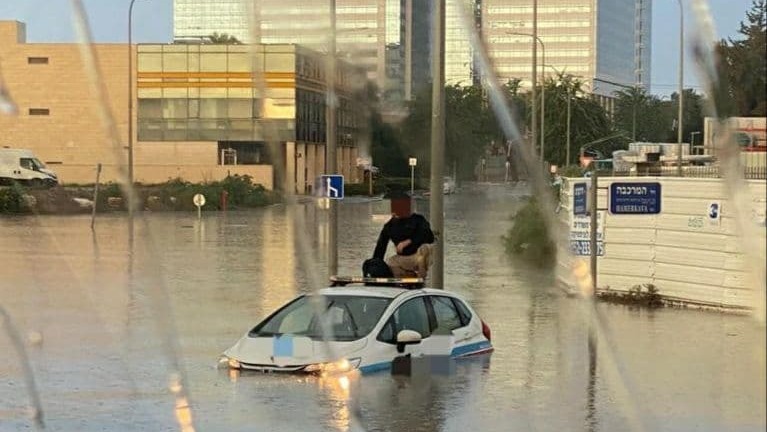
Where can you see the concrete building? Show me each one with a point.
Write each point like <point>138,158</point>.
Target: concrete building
<point>241,98</point>
<point>200,112</point>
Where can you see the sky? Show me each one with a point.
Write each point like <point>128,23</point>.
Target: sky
<point>51,21</point>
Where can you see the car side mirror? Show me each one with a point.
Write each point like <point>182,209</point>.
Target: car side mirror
<point>407,337</point>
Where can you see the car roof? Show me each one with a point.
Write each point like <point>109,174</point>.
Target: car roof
<point>377,291</point>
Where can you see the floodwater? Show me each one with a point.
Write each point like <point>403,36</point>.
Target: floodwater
<point>101,331</point>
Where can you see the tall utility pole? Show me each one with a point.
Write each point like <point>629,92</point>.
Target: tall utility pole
<point>438,141</point>
<point>681,87</point>
<point>543,86</point>
<point>534,125</point>
<point>130,101</point>
<point>567,163</point>
<point>330,141</point>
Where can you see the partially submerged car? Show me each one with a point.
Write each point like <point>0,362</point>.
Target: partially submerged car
<point>363,327</point>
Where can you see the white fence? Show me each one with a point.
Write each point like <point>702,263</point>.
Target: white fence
<point>686,253</point>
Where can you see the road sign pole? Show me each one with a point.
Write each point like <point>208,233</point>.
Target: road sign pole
<point>412,179</point>
<point>330,142</point>
<point>593,231</point>
<point>438,141</point>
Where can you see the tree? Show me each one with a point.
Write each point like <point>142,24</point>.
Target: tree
<point>224,39</point>
<point>743,65</point>
<point>641,116</point>
<point>692,115</point>
<point>589,124</point>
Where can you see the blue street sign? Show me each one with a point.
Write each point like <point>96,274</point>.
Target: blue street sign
<point>579,199</point>
<point>331,186</point>
<point>635,198</point>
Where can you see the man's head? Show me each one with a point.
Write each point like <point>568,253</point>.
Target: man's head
<point>401,206</point>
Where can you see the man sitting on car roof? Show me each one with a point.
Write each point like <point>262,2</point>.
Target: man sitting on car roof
<point>412,236</point>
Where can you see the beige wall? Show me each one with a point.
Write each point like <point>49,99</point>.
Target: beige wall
<point>71,139</point>
<point>684,254</point>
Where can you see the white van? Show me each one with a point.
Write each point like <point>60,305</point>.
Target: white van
<point>19,165</point>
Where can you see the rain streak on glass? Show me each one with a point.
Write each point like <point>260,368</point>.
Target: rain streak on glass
<point>120,327</point>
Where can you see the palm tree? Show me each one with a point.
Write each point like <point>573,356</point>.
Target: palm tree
<point>224,39</point>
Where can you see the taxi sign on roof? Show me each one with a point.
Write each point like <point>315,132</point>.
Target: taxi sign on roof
<point>413,282</point>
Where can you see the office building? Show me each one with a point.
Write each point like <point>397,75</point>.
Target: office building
<point>605,42</point>
<point>201,111</point>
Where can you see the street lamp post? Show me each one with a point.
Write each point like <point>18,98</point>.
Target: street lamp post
<point>681,87</point>
<point>330,140</point>
<point>130,100</point>
<point>543,88</point>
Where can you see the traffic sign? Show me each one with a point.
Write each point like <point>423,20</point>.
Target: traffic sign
<point>332,186</point>
<point>635,198</point>
<point>412,162</point>
<point>580,192</point>
<point>199,200</point>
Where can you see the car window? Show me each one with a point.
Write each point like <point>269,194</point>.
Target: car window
<point>349,317</point>
<point>446,314</point>
<point>27,163</point>
<point>411,315</point>
<point>463,311</point>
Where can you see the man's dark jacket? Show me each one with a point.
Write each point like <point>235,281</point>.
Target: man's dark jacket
<point>416,228</point>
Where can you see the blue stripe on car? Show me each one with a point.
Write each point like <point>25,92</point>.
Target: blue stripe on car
<point>470,348</point>
<point>457,352</point>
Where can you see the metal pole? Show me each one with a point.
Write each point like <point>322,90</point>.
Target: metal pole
<point>130,102</point>
<point>96,195</point>
<point>534,122</point>
<point>412,179</point>
<point>568,127</point>
<point>543,98</point>
<point>593,231</point>
<point>634,118</point>
<point>438,141</point>
<point>681,87</point>
<point>330,141</point>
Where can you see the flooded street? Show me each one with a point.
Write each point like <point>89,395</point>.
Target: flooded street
<point>101,331</point>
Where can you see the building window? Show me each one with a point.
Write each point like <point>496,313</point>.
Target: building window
<point>39,111</point>
<point>37,60</point>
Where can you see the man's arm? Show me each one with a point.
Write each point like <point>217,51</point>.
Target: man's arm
<point>383,241</point>
<point>423,234</point>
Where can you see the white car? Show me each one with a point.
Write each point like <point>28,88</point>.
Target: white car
<point>369,326</point>
<point>448,186</point>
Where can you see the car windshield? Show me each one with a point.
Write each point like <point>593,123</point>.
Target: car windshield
<point>31,164</point>
<point>348,317</point>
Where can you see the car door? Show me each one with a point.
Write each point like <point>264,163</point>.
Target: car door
<point>412,314</point>
<point>449,321</point>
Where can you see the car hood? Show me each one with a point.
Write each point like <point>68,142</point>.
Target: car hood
<point>287,350</point>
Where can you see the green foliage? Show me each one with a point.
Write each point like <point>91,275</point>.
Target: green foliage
<point>742,67</point>
<point>590,126</point>
<point>639,295</point>
<point>386,147</point>
<point>178,194</point>
<point>224,38</point>
<point>11,200</point>
<point>528,236</point>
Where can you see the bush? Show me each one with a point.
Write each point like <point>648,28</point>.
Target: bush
<point>528,236</point>
<point>11,200</point>
<point>178,194</point>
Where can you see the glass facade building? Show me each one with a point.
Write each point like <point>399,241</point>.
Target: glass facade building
<point>362,30</point>
<point>243,96</point>
<point>605,42</point>
<point>239,93</point>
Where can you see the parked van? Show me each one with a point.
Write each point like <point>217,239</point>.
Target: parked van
<point>19,165</point>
